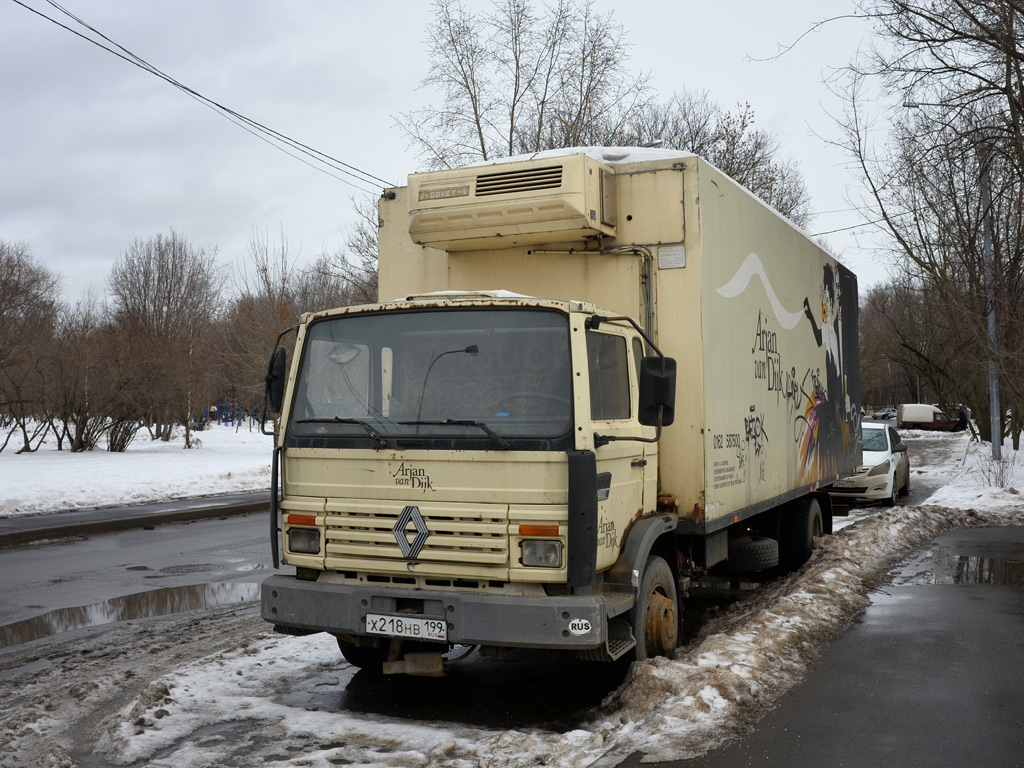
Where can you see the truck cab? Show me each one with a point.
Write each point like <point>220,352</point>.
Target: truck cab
<point>443,455</point>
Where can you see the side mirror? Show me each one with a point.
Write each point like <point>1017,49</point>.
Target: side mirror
<point>276,372</point>
<point>657,391</point>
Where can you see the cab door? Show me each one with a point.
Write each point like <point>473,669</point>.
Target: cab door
<point>612,355</point>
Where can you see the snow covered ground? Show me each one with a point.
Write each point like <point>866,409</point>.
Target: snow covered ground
<point>228,460</point>
<point>667,708</point>
<point>235,460</point>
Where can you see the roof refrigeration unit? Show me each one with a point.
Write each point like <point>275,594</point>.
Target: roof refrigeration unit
<point>558,199</point>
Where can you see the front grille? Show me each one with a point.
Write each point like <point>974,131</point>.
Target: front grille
<point>454,537</point>
<point>529,180</point>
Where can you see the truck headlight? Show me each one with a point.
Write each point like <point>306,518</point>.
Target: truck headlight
<point>541,553</point>
<point>304,540</point>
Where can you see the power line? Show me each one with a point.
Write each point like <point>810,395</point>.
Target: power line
<point>864,224</point>
<point>260,131</point>
<point>847,229</point>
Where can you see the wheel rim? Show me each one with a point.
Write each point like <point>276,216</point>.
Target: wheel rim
<point>660,624</point>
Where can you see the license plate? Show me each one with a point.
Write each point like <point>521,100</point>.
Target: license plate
<point>406,626</point>
<point>843,484</point>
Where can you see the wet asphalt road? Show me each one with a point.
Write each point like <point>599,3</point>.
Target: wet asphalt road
<point>931,674</point>
<point>90,581</point>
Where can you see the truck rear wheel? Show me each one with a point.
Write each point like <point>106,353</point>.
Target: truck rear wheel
<point>655,617</point>
<point>800,527</point>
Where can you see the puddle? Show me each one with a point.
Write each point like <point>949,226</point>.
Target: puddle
<point>987,570</point>
<point>141,605</point>
<point>939,567</point>
<point>188,568</point>
<point>989,556</point>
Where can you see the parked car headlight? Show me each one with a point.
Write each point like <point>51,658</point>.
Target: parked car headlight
<point>881,469</point>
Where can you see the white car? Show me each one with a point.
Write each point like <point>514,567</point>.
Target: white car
<point>884,473</point>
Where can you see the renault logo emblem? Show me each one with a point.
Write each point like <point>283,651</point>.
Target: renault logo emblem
<point>411,515</point>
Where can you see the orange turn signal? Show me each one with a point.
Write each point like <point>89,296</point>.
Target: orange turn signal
<point>301,519</point>
<point>538,530</point>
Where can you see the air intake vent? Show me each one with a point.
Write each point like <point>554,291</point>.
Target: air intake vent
<point>528,180</point>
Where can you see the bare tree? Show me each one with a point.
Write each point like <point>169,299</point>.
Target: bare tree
<point>693,122</point>
<point>77,381</point>
<point>914,346</point>
<point>924,187</point>
<point>28,294</point>
<point>264,305</point>
<point>28,301</point>
<point>165,297</point>
<point>357,267</point>
<point>955,71</point>
<point>957,57</point>
<point>515,81</point>
<point>272,292</point>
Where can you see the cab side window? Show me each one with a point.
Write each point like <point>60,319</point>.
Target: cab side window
<point>609,376</point>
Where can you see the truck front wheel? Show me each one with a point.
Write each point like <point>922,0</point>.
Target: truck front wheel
<point>365,657</point>
<point>655,617</point>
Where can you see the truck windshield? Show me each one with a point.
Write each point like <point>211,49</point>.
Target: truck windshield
<point>489,374</point>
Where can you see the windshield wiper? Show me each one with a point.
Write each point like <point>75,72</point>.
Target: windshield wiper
<point>503,444</point>
<point>380,441</point>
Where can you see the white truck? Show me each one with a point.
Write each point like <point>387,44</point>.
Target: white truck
<point>598,374</point>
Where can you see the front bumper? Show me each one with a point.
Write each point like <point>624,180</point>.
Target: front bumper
<point>569,622</point>
<point>865,489</point>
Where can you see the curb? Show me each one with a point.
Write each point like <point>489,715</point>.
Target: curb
<point>113,522</point>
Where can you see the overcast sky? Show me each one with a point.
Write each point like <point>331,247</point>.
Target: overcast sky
<point>95,152</point>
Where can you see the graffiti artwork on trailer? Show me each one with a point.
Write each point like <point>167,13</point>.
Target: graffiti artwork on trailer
<point>826,426</point>
<point>801,358</point>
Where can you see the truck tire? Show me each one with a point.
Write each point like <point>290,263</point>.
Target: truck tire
<point>801,525</point>
<point>365,657</point>
<point>752,554</point>
<point>655,617</point>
